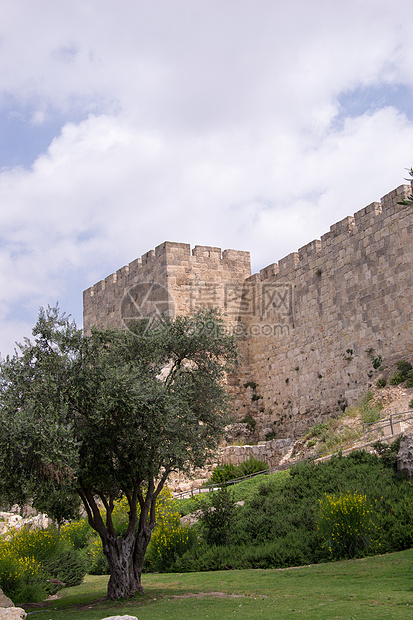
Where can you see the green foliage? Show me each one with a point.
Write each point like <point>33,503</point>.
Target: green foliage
<point>368,410</point>
<point>23,579</point>
<point>251,466</point>
<point>407,202</point>
<point>110,415</point>
<point>404,374</point>
<point>68,566</point>
<point>411,403</point>
<point>98,563</point>
<point>77,533</point>
<point>47,547</point>
<point>223,473</point>
<point>388,453</point>
<point>277,526</point>
<point>381,383</point>
<point>217,516</point>
<point>168,543</point>
<point>376,361</point>
<point>29,558</point>
<point>346,524</point>
<point>227,472</point>
<point>318,430</point>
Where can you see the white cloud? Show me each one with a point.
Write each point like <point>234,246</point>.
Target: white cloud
<point>205,122</point>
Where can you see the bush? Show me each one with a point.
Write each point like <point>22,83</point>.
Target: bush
<point>346,524</point>
<point>388,454</point>
<point>98,564</point>
<point>217,516</point>
<point>404,367</point>
<point>67,566</point>
<point>169,539</point>
<point>404,374</point>
<point>277,526</point>
<point>21,578</point>
<point>397,378</point>
<point>51,554</point>
<point>38,544</point>
<point>318,430</point>
<point>168,543</point>
<point>251,466</point>
<point>225,473</point>
<point>77,533</point>
<point>381,383</point>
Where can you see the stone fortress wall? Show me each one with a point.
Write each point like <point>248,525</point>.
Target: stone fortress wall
<point>308,326</point>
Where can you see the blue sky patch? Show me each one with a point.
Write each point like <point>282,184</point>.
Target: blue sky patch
<point>22,139</point>
<point>366,99</point>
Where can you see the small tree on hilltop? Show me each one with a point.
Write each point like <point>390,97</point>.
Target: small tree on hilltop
<point>111,415</point>
<point>408,202</point>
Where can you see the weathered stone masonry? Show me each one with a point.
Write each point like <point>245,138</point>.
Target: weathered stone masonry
<point>308,325</point>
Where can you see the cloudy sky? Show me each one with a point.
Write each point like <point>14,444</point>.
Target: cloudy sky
<point>245,124</point>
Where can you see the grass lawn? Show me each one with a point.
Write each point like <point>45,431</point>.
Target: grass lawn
<point>378,588</point>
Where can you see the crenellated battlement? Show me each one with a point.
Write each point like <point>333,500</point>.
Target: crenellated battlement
<point>308,324</point>
<point>363,223</point>
<point>190,276</point>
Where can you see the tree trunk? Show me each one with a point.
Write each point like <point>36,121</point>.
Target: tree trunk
<point>125,558</point>
<point>123,580</point>
<point>141,542</point>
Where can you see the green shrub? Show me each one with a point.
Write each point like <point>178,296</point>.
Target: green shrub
<point>168,543</point>
<point>23,579</point>
<point>346,524</point>
<point>404,367</point>
<point>388,454</point>
<point>409,379</point>
<point>369,412</point>
<point>251,466</point>
<point>397,378</point>
<point>277,526</point>
<point>376,361</point>
<point>51,551</point>
<point>404,373</point>
<point>411,403</point>
<point>38,544</point>
<point>381,383</point>
<point>98,564</point>
<point>318,430</point>
<point>225,473</point>
<point>77,533</point>
<point>68,566</point>
<point>217,516</point>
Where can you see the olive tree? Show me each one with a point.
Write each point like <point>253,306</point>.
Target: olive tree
<point>92,418</point>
